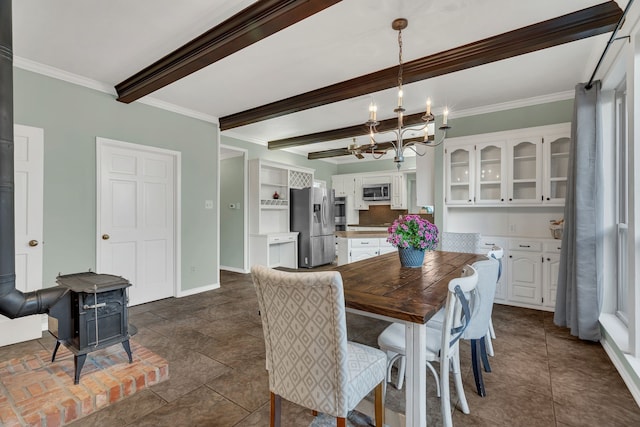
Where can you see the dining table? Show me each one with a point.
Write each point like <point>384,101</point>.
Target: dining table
<point>381,288</point>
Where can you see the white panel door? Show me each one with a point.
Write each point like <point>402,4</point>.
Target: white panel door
<point>28,173</point>
<point>137,217</point>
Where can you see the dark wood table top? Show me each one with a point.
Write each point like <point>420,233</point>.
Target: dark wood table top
<point>379,285</point>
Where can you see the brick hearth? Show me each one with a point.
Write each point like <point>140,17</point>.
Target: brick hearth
<point>36,392</point>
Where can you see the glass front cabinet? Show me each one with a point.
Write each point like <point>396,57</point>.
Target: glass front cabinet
<point>525,171</point>
<point>490,172</point>
<point>556,155</point>
<point>459,164</point>
<point>519,167</point>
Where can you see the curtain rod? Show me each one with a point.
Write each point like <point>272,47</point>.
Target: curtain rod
<point>611,40</point>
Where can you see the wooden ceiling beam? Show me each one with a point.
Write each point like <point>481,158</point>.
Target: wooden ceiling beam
<point>337,152</point>
<point>347,132</point>
<point>254,23</point>
<point>574,26</point>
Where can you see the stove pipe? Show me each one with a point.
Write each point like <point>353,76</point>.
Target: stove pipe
<point>13,303</point>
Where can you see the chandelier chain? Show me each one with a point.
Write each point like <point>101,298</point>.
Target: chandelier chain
<point>400,59</point>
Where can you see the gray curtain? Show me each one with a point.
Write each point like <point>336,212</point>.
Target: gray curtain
<point>578,300</point>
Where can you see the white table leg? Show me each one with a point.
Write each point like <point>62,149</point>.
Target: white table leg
<point>416,374</point>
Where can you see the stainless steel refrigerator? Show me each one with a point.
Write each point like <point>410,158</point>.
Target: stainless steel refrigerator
<point>311,211</point>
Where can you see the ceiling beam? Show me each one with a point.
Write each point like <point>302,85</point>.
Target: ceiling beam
<point>574,26</point>
<point>254,23</point>
<point>346,132</point>
<point>337,152</point>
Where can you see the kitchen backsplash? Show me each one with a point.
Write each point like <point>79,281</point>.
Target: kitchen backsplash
<point>379,215</point>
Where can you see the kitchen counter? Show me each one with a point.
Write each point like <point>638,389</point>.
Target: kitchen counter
<point>361,234</point>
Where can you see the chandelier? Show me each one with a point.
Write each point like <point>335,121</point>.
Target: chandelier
<point>378,149</point>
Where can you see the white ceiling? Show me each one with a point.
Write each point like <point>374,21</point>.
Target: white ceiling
<point>108,41</point>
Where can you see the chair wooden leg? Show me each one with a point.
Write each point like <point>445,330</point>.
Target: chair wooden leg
<point>314,413</point>
<point>341,422</point>
<point>275,410</point>
<point>379,404</point>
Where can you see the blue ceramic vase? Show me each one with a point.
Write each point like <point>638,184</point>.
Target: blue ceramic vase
<point>411,257</point>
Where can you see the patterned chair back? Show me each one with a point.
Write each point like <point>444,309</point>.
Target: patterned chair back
<point>305,333</point>
<point>460,242</point>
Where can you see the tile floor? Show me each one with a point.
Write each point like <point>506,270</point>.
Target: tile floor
<point>213,341</point>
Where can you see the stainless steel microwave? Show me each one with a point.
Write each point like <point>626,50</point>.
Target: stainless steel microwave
<point>376,192</point>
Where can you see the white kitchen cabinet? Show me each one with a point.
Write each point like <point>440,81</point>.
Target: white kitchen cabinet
<point>343,185</point>
<point>550,269</point>
<point>525,170</point>
<point>357,196</point>
<point>523,167</point>
<point>556,166</point>
<point>275,250</point>
<point>398,191</point>
<point>525,272</point>
<point>459,169</point>
<point>385,247</point>
<point>356,248</point>
<point>490,172</point>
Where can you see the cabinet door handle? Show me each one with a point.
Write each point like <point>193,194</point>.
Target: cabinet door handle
<point>510,199</point>
<point>510,256</point>
<point>364,243</point>
<point>549,259</point>
<point>559,248</point>
<point>524,246</point>
<point>502,200</point>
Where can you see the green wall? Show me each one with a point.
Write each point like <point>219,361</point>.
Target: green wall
<point>72,117</point>
<point>232,220</point>
<point>323,170</point>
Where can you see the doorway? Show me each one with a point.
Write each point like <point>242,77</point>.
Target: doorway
<point>137,215</point>
<point>28,206</point>
<point>233,200</point>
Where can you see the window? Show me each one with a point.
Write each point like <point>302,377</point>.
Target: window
<point>621,177</point>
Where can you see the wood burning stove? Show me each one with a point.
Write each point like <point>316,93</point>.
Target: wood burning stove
<point>91,315</point>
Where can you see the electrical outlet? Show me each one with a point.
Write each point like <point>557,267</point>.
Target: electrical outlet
<point>232,206</point>
<point>208,204</point>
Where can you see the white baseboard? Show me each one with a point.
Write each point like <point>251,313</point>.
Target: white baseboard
<point>626,376</point>
<point>234,269</point>
<point>197,290</point>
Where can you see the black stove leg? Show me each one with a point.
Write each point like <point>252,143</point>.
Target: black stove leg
<point>55,350</point>
<point>79,362</point>
<point>127,348</point>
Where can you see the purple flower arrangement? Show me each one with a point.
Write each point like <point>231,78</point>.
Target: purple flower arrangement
<point>413,231</point>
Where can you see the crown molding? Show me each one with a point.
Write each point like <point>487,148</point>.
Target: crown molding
<point>510,105</point>
<point>56,73</point>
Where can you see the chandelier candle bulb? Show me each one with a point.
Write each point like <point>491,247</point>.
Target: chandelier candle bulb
<point>400,98</point>
<point>372,112</point>
<point>445,115</point>
<point>428,106</point>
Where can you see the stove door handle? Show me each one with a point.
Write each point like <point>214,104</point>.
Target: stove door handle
<point>87,307</point>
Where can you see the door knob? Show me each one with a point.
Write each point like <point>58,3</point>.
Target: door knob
<point>105,237</point>
<point>33,243</point>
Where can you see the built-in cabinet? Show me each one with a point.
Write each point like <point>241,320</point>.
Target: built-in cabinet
<point>271,242</point>
<point>520,167</point>
<point>529,271</point>
<point>357,248</point>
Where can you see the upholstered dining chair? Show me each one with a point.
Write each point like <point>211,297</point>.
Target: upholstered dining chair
<point>460,242</point>
<point>309,359</point>
<point>442,344</point>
